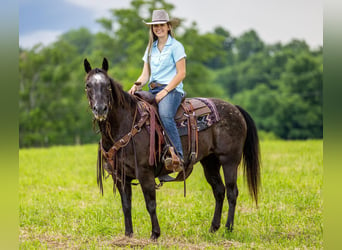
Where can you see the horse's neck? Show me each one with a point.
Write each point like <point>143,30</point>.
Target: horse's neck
<point>118,124</point>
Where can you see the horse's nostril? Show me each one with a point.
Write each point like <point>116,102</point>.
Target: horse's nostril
<point>100,109</point>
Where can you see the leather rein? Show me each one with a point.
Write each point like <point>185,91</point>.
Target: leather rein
<point>111,153</point>
<point>146,112</point>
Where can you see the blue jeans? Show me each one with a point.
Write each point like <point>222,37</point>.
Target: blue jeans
<point>167,109</point>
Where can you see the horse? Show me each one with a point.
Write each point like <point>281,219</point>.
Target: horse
<point>225,144</point>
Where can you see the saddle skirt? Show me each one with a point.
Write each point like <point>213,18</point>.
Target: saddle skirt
<point>204,111</point>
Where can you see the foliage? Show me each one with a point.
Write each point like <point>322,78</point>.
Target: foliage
<point>280,85</point>
<point>60,205</point>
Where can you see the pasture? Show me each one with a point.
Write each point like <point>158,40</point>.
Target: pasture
<point>60,205</point>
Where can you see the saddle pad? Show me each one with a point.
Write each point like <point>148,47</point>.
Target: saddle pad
<point>205,112</point>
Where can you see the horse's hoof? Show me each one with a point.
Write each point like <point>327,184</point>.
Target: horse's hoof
<point>213,229</point>
<point>229,228</point>
<point>129,234</point>
<point>155,236</point>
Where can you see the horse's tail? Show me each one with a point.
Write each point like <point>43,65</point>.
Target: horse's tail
<point>251,156</point>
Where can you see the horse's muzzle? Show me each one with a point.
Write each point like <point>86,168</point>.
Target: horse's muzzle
<point>100,111</point>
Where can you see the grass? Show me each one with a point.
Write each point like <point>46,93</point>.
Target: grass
<point>60,205</point>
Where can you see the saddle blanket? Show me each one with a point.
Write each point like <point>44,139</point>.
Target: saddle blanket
<point>205,112</point>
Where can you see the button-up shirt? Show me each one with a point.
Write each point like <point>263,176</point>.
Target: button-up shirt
<point>163,63</point>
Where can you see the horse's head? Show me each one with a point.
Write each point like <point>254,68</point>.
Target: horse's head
<point>98,87</point>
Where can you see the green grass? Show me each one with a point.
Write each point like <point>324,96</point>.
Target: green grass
<point>60,205</point>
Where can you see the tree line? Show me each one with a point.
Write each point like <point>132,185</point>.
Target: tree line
<point>280,85</point>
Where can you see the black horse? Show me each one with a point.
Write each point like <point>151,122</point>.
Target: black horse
<point>224,144</point>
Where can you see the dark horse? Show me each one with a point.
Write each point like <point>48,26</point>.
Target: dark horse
<point>223,144</point>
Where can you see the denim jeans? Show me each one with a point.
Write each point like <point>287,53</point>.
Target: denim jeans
<point>167,109</point>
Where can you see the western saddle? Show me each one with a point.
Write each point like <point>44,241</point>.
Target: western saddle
<point>186,120</point>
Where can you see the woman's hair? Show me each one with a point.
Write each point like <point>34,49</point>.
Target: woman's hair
<point>153,37</point>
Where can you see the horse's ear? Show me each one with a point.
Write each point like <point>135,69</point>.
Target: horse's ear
<point>87,66</point>
<point>105,64</point>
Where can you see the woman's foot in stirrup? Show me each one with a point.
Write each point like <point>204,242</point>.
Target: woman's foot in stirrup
<point>168,163</point>
<point>175,165</point>
<point>179,165</point>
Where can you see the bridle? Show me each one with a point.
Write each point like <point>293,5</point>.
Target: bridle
<point>108,91</point>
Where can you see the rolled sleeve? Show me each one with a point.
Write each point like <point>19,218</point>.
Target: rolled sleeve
<point>178,51</point>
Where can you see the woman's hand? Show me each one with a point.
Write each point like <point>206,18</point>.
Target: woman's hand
<point>141,81</point>
<point>161,95</point>
<point>134,89</point>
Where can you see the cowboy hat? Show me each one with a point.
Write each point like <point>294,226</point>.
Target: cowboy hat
<point>160,17</point>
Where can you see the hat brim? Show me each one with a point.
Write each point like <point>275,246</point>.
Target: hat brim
<point>174,22</point>
<point>156,22</point>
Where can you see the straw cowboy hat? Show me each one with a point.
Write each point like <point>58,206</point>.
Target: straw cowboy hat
<point>160,17</point>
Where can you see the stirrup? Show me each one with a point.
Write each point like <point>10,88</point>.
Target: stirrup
<point>172,162</point>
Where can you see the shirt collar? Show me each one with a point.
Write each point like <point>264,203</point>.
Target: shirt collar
<point>168,42</point>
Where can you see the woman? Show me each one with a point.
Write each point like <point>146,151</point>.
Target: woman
<point>164,70</point>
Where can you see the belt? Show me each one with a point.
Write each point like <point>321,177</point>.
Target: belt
<point>154,85</point>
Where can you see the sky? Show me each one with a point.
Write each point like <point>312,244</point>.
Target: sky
<point>42,21</point>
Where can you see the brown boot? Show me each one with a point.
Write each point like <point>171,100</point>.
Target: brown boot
<point>175,166</point>
<point>173,162</point>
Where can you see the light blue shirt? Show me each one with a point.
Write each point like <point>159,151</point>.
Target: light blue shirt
<point>163,64</point>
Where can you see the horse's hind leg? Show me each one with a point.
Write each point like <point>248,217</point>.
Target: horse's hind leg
<point>230,167</point>
<point>147,182</point>
<point>211,166</point>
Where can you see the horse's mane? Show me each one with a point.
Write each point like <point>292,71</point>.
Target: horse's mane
<point>121,97</point>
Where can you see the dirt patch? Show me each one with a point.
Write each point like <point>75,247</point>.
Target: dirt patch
<point>135,243</point>
<point>124,241</point>
<point>58,241</point>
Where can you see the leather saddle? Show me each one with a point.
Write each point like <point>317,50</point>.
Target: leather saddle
<point>189,122</point>
<point>186,118</point>
<point>197,107</point>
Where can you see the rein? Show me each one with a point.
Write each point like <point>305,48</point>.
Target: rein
<point>123,142</point>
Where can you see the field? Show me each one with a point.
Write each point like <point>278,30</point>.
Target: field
<point>60,205</point>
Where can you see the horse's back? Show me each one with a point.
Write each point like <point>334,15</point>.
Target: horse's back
<point>231,118</point>
<point>226,135</point>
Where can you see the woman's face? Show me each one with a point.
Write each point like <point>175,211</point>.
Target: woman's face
<point>160,30</point>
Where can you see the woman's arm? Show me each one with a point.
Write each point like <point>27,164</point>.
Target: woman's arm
<point>181,73</point>
<point>143,78</point>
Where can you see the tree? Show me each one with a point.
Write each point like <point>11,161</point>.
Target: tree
<point>248,44</point>
<point>81,39</point>
<point>262,103</point>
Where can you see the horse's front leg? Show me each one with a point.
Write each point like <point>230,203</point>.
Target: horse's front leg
<point>147,182</point>
<point>126,201</point>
